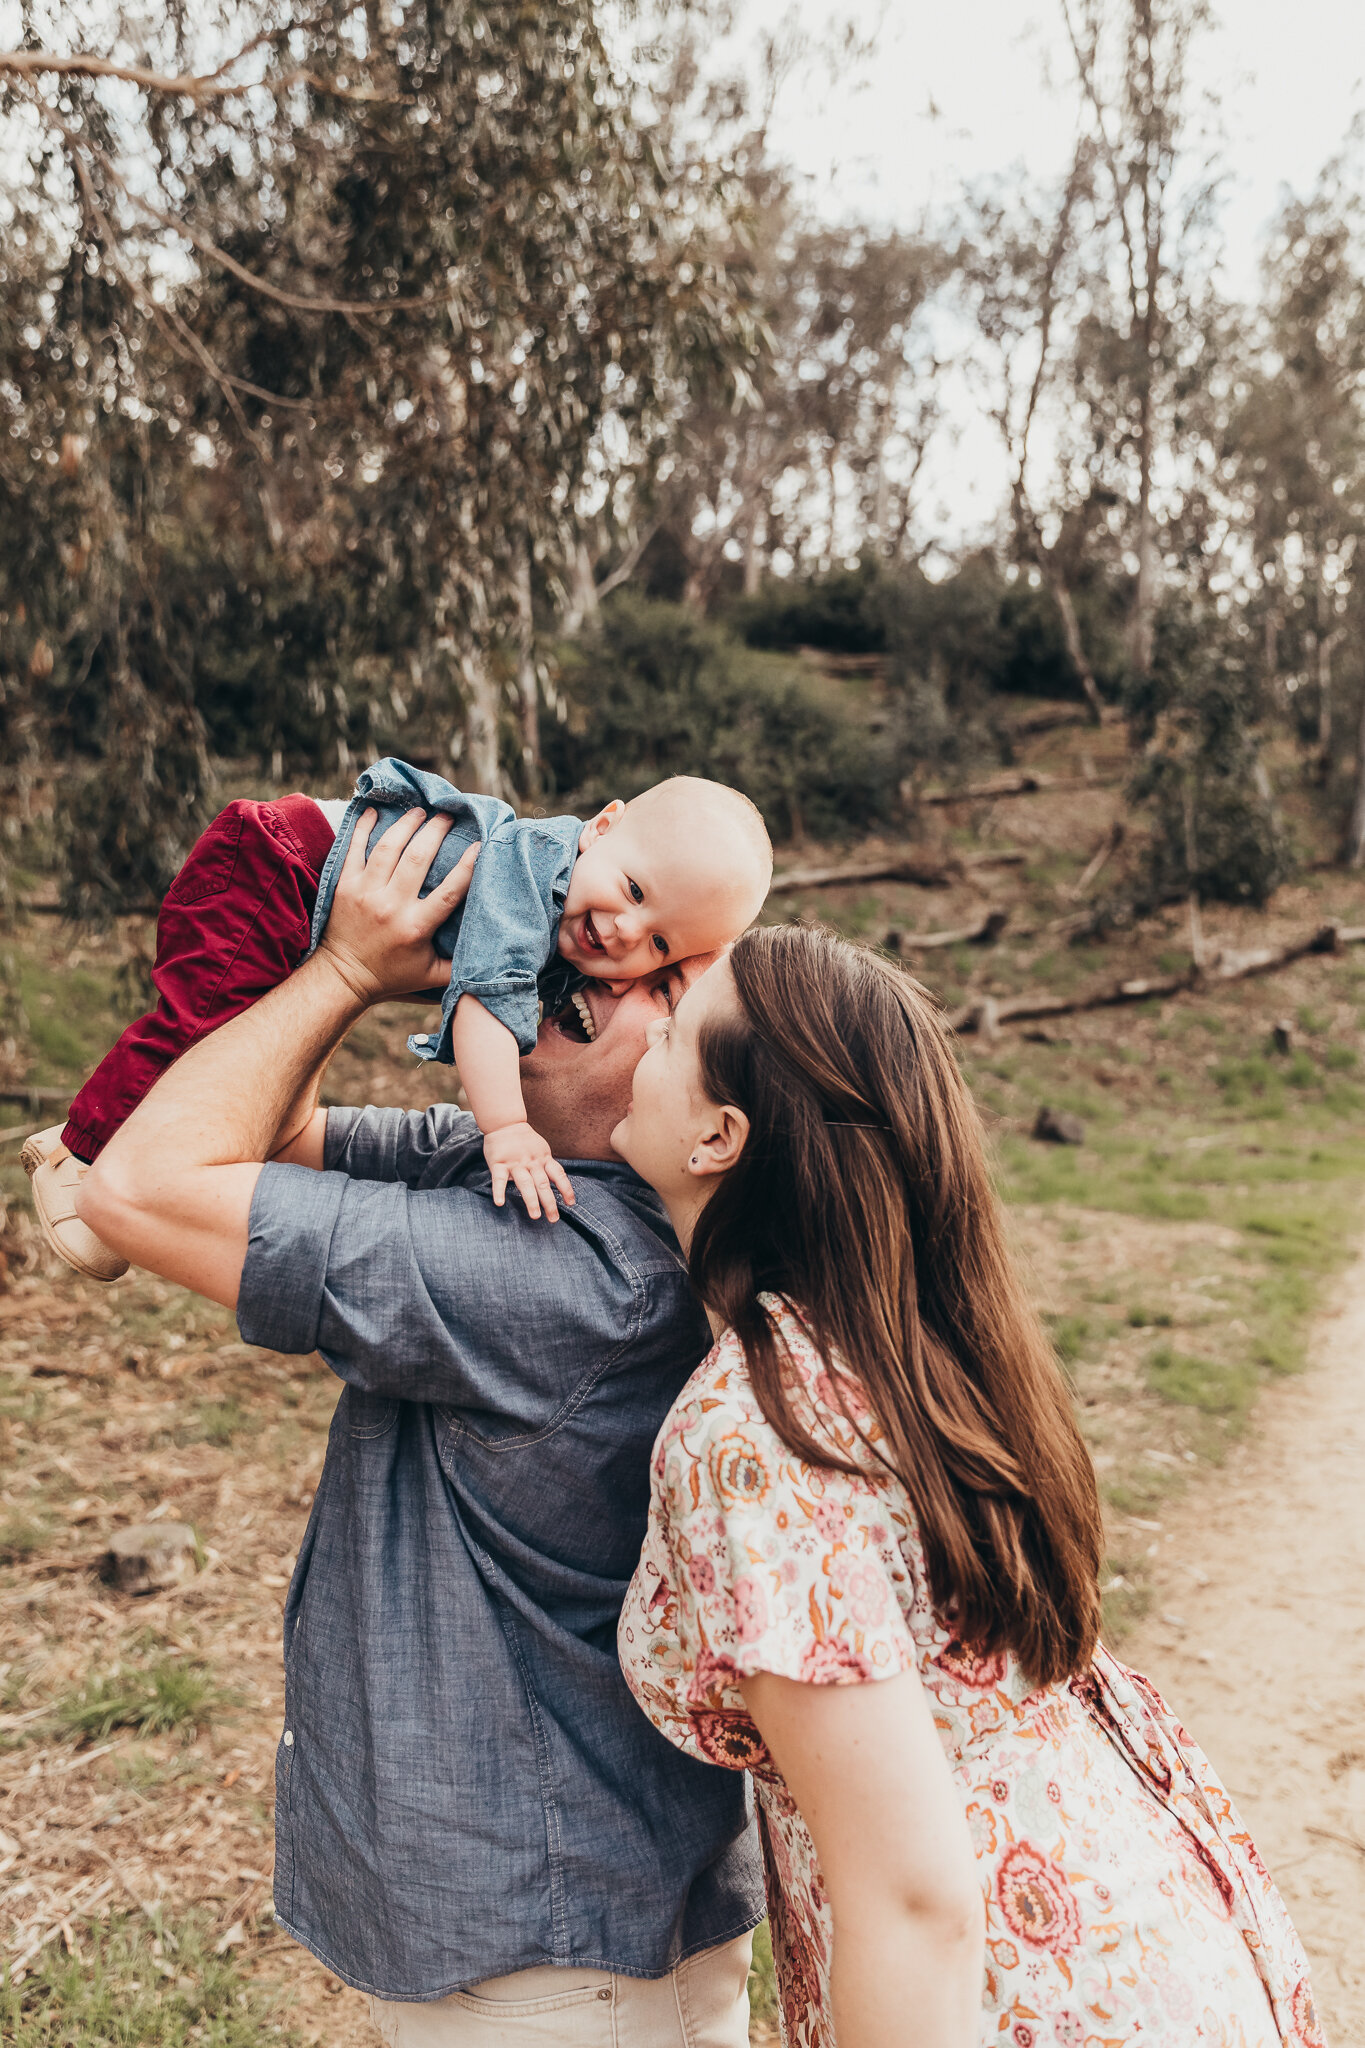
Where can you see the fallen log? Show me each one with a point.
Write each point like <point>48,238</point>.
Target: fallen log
<point>1099,859</point>
<point>1228,965</point>
<point>984,932</point>
<point>1052,717</point>
<point>1029,782</point>
<point>893,868</point>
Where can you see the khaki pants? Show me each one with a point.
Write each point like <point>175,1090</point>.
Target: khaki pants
<point>704,2003</point>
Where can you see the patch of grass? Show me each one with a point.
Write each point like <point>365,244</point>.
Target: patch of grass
<point>1140,1318</point>
<point>153,1700</point>
<point>1126,1599</point>
<point>1314,1022</point>
<point>68,1017</point>
<point>1252,1084</point>
<point>1073,1336</point>
<point>220,1422</point>
<point>1340,1059</point>
<point>1225,1388</point>
<point>21,1537</point>
<point>763,1979</point>
<point>135,1987</point>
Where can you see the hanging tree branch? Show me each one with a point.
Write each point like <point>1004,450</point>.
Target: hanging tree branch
<point>45,63</point>
<point>295,301</point>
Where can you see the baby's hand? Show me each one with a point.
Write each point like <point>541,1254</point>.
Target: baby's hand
<point>516,1152</point>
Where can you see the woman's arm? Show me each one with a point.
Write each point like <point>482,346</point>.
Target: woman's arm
<point>865,1765</point>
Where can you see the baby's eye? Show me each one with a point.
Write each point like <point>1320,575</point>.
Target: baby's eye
<point>659,943</point>
<point>637,894</point>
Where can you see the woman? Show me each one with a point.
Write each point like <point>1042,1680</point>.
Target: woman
<point>871,1575</point>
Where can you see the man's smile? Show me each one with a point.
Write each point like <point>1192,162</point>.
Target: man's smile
<point>576,1021</point>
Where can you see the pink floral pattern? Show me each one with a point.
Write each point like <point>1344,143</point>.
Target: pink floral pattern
<point>1125,1902</point>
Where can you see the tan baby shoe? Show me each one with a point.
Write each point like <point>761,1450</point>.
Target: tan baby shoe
<point>56,1174</point>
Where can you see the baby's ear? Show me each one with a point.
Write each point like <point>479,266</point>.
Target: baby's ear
<point>609,815</point>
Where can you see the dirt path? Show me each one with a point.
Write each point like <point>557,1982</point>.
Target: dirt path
<point>1257,1637</point>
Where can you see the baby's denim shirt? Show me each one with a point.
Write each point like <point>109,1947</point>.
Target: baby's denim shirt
<point>501,941</point>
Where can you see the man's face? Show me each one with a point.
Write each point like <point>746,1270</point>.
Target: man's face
<point>577,1086</point>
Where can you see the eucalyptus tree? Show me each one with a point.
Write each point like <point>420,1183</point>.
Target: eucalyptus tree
<point>1022,276</point>
<point>1296,461</point>
<point>1142,347</point>
<point>335,323</point>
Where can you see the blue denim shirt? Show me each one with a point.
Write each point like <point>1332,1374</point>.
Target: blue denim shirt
<point>465,1787</point>
<point>501,941</point>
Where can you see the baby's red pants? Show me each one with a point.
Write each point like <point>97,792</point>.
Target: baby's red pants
<point>235,923</point>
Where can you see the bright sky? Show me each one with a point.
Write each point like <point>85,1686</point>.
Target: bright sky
<point>962,88</point>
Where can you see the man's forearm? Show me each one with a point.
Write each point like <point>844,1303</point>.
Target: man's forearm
<point>172,1189</point>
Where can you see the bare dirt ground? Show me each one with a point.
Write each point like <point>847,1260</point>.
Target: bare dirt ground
<point>1258,1639</point>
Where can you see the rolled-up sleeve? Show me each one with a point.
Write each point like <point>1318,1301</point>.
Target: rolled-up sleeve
<point>507,933</point>
<point>294,1215</point>
<point>433,1294</point>
<point>423,1147</point>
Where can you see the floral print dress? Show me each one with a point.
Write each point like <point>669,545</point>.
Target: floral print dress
<point>1125,1902</point>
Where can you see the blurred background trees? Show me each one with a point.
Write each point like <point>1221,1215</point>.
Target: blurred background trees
<point>462,381</point>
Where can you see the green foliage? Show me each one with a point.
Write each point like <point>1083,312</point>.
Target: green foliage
<point>132,1986</point>
<point>293,517</point>
<point>1215,829</point>
<point>840,612</point>
<point>657,691</point>
<point>152,1700</point>
<point>1219,1387</point>
<point>763,1999</point>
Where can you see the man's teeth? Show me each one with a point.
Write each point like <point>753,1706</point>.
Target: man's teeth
<point>580,1003</point>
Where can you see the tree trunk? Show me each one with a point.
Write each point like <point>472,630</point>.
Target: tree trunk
<point>583,602</point>
<point>1355,831</point>
<point>753,552</point>
<point>481,724</point>
<point>1144,597</point>
<point>1327,644</point>
<point>1075,647</point>
<point>528,689</point>
<point>833,481</point>
<point>881,504</point>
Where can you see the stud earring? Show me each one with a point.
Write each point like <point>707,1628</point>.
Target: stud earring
<point>693,1160</point>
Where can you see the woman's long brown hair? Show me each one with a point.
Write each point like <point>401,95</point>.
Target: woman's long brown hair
<point>863,1196</point>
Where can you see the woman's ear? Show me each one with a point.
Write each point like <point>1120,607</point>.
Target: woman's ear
<point>609,815</point>
<point>720,1143</point>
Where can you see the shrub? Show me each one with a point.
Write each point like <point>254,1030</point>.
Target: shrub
<point>656,691</point>
<point>840,612</point>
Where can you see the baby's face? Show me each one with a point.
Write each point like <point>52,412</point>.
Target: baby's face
<point>639,899</point>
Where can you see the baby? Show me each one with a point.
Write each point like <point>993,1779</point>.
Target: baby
<point>681,869</point>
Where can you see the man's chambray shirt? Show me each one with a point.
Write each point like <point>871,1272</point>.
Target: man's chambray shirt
<point>465,1787</point>
<point>502,941</point>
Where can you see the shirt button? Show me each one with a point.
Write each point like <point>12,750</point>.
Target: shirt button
<point>289,1738</point>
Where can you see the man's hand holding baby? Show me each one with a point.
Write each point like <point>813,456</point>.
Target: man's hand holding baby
<point>379,935</point>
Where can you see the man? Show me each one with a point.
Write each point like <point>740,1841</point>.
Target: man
<point>474,1822</point>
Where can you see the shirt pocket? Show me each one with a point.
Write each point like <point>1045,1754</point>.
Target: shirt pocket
<point>369,1415</point>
